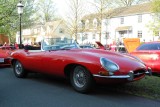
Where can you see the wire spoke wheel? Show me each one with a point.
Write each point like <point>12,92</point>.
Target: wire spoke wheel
<point>19,70</point>
<point>81,79</point>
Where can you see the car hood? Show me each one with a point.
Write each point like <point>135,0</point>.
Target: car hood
<point>126,62</point>
<point>107,54</point>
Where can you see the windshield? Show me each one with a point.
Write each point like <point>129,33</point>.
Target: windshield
<point>149,46</point>
<point>58,44</point>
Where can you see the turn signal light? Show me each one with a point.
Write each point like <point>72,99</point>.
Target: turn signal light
<point>104,73</point>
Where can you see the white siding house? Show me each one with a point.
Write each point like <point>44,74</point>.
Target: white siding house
<point>57,29</point>
<point>125,22</point>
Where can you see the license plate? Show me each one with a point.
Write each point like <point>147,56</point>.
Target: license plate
<point>1,59</point>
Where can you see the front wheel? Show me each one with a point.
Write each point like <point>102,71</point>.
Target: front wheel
<point>19,70</point>
<point>81,79</point>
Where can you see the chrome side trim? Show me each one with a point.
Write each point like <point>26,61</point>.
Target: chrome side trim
<point>119,76</point>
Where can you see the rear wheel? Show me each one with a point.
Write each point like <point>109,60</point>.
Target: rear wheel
<point>81,79</point>
<point>19,70</point>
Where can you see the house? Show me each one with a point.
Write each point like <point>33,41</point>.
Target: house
<point>37,32</point>
<point>119,23</point>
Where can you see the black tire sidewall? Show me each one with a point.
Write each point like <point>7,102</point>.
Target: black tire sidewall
<point>22,74</point>
<point>89,82</point>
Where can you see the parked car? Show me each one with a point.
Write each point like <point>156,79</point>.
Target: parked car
<point>83,67</point>
<point>149,53</point>
<point>86,46</point>
<point>116,48</point>
<point>5,52</point>
<point>100,45</point>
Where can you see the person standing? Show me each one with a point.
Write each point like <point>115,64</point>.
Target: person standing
<point>5,44</point>
<point>16,45</point>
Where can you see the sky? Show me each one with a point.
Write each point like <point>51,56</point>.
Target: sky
<point>62,6</point>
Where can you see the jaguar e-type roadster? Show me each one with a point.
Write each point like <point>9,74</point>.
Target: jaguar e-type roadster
<point>83,67</point>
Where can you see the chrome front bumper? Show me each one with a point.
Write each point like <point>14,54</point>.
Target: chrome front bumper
<point>130,75</point>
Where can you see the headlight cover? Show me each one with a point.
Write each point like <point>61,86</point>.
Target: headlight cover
<point>109,65</point>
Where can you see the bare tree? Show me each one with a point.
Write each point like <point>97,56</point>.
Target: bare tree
<point>46,10</point>
<point>74,14</point>
<point>154,25</point>
<point>101,7</point>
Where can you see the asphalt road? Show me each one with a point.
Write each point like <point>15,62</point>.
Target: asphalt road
<point>44,91</point>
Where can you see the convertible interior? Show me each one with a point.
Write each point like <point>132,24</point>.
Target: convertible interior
<point>32,48</point>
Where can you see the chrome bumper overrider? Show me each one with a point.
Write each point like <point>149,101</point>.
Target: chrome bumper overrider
<point>130,75</point>
<point>149,72</point>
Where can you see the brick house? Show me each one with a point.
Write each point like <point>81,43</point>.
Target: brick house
<point>3,39</point>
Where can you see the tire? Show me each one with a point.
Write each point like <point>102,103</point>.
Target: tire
<point>19,70</point>
<point>81,79</point>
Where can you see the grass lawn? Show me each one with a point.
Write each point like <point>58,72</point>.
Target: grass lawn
<point>148,87</point>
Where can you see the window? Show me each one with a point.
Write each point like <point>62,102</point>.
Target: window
<point>81,24</point>
<point>139,18</point>
<point>94,36</point>
<point>95,23</point>
<point>87,24</point>
<point>106,35</point>
<point>139,34</point>
<point>122,20</point>
<point>85,37</point>
<point>78,36</point>
<point>61,30</point>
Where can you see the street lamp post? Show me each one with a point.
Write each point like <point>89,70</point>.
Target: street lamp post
<point>20,11</point>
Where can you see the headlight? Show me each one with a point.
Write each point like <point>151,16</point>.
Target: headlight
<point>109,65</point>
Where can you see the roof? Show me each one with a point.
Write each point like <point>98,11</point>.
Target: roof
<point>135,9</point>
<point>124,11</point>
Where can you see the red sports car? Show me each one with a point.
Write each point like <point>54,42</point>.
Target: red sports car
<point>5,52</point>
<point>83,67</point>
<point>149,53</point>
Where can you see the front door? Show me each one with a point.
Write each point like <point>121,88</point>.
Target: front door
<point>34,60</point>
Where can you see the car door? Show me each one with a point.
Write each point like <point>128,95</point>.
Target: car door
<point>53,62</point>
<point>33,60</point>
